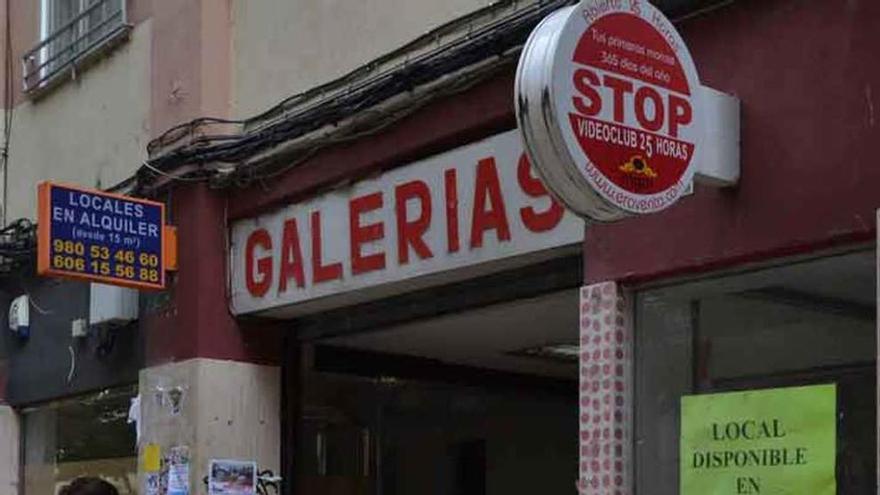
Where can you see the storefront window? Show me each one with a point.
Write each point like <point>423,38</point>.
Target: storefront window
<point>82,436</point>
<point>805,323</point>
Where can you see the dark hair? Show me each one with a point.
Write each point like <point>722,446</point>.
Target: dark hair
<point>89,486</point>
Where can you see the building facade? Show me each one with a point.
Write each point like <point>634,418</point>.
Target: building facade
<point>376,293</point>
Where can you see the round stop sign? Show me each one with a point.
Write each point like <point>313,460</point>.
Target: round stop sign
<point>607,102</point>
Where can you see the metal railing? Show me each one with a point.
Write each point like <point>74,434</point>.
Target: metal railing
<point>94,27</point>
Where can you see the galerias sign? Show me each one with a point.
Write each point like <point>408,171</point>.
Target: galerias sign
<point>472,210</point>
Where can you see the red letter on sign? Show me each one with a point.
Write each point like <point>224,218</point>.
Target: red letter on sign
<point>649,93</point>
<point>409,233</point>
<point>361,234</point>
<point>495,217</point>
<point>620,88</point>
<point>534,221</point>
<point>321,272</point>
<point>291,257</point>
<point>679,114</point>
<point>584,80</point>
<point>452,241</point>
<point>258,288</point>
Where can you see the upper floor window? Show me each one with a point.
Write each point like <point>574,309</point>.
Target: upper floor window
<point>72,32</point>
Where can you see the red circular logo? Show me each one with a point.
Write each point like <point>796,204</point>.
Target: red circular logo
<point>631,104</point>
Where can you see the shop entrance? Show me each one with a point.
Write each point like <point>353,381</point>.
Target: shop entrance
<point>480,401</point>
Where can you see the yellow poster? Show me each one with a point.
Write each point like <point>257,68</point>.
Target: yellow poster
<point>761,442</point>
<point>152,457</point>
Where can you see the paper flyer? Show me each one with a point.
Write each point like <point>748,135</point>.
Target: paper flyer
<point>178,471</point>
<point>152,484</point>
<point>772,442</point>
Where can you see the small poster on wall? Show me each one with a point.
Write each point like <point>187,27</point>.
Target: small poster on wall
<point>229,477</point>
<point>769,442</point>
<point>152,484</point>
<point>178,471</point>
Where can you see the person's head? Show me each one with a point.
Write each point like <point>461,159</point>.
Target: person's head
<point>89,486</point>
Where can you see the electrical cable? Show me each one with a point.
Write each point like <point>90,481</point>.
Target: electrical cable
<point>459,86</point>
<point>17,245</point>
<point>485,43</point>
<point>336,105</point>
<point>407,48</point>
<point>72,363</point>
<point>8,108</point>
<point>171,176</point>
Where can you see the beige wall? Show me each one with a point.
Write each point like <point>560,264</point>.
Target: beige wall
<point>283,47</point>
<point>92,131</point>
<point>229,410</point>
<point>9,453</point>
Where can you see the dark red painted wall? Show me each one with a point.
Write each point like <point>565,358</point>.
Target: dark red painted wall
<point>192,319</point>
<point>807,76</point>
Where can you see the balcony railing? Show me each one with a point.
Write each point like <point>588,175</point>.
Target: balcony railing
<point>86,35</point>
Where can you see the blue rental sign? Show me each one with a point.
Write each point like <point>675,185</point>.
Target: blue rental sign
<point>101,237</point>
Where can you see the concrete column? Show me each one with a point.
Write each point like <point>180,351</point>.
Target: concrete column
<point>9,451</point>
<point>215,410</point>
<point>606,397</point>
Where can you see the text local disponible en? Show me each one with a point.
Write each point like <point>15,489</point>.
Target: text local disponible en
<point>109,214</point>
